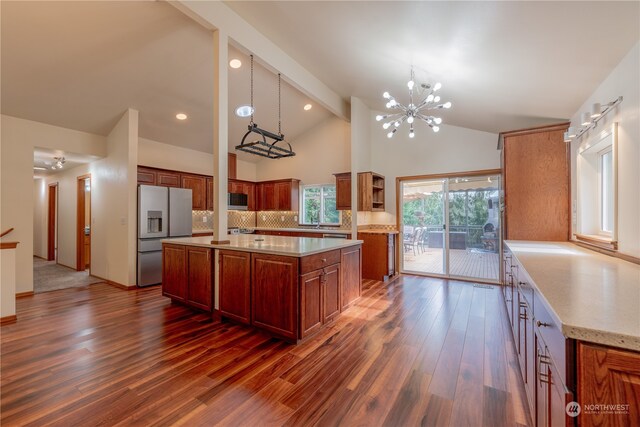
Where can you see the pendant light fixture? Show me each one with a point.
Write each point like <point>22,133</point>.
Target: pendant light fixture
<point>427,100</point>
<point>266,143</point>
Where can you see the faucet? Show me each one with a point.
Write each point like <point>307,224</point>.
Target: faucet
<point>318,222</point>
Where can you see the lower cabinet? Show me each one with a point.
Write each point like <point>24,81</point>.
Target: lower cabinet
<point>608,376</point>
<point>379,255</point>
<point>351,276</point>
<point>187,275</point>
<point>235,285</point>
<point>274,294</point>
<point>319,298</point>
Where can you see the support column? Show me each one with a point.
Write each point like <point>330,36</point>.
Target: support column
<point>220,135</point>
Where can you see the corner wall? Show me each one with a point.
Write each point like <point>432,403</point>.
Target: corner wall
<point>17,140</point>
<point>623,80</point>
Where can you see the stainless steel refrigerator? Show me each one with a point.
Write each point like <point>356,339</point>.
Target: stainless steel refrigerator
<point>162,212</point>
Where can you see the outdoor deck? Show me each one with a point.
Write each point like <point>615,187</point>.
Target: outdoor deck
<point>471,263</point>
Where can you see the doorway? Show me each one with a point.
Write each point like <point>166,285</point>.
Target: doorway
<point>52,223</point>
<point>83,224</point>
<point>450,225</point>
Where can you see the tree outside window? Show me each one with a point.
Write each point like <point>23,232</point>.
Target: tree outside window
<point>319,205</point>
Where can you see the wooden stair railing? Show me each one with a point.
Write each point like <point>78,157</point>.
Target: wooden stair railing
<point>4,233</point>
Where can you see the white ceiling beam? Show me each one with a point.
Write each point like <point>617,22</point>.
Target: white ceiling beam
<point>215,15</point>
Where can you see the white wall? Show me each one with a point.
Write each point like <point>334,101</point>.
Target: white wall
<point>623,80</point>
<point>453,149</point>
<point>114,204</point>
<point>166,156</point>
<point>17,140</point>
<point>320,152</point>
<point>360,155</point>
<point>39,218</point>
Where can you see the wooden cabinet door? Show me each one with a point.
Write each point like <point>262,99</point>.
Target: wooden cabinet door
<point>197,184</point>
<point>274,294</point>
<point>283,196</point>
<point>250,190</point>
<point>174,272</point>
<point>268,197</point>
<point>199,275</point>
<point>311,287</point>
<point>235,285</point>
<point>331,293</point>
<point>232,166</point>
<point>343,191</point>
<point>608,376</point>
<point>146,176</point>
<point>375,250</point>
<point>168,178</point>
<point>351,283</point>
<point>542,385</point>
<point>210,193</point>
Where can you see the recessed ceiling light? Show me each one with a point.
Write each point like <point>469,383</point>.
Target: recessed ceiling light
<point>235,63</point>
<point>244,111</point>
<point>181,116</point>
<point>307,107</point>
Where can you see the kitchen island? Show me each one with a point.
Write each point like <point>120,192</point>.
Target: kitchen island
<point>288,286</point>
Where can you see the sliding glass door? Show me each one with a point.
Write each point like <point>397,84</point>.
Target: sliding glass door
<point>451,226</point>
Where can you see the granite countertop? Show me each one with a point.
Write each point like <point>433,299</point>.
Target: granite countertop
<point>594,297</point>
<point>380,231</point>
<point>307,230</point>
<point>275,245</point>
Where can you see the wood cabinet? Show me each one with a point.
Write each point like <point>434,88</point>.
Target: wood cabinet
<point>536,165</point>
<point>146,176</point>
<point>235,285</point>
<point>319,298</point>
<point>281,195</point>
<point>187,275</point>
<point>174,272</point>
<point>198,186</point>
<point>210,193</point>
<point>351,276</point>
<point>343,191</point>
<point>166,178</point>
<point>378,255</point>
<point>199,278</point>
<point>274,294</point>
<point>608,376</point>
<point>370,192</point>
<point>232,166</point>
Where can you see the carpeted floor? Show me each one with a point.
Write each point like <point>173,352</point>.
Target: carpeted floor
<point>49,276</point>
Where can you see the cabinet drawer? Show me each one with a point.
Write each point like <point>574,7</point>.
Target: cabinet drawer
<point>551,334</point>
<point>314,262</point>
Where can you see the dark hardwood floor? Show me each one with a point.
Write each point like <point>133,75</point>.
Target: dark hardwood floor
<point>417,351</point>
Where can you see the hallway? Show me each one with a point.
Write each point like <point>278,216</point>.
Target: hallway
<point>49,276</point>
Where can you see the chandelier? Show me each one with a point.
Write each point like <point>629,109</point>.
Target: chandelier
<point>426,100</point>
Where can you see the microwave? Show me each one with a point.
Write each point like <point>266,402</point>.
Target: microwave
<point>236,201</point>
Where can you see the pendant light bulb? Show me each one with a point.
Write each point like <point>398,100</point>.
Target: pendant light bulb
<point>385,126</point>
<point>447,105</point>
<point>436,129</point>
<point>410,84</point>
<point>412,134</point>
<point>392,102</point>
<point>386,95</point>
<point>390,134</point>
<point>437,86</point>
<point>436,99</point>
<point>429,98</point>
<point>388,104</point>
<point>410,119</point>
<point>396,124</point>
<point>379,117</point>
<point>437,120</point>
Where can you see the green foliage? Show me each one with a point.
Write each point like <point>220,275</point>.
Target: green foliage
<point>320,205</point>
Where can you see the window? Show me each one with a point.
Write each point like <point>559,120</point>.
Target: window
<point>319,205</point>
<point>595,209</point>
<point>606,191</point>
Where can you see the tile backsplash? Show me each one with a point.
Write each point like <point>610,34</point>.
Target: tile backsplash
<point>203,220</point>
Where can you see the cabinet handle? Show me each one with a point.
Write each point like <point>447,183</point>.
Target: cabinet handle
<point>523,316</point>
<point>544,378</point>
<point>542,324</point>
<point>324,260</point>
<point>522,283</point>
<point>523,304</point>
<point>543,360</point>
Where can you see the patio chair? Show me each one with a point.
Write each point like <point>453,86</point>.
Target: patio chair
<point>414,241</point>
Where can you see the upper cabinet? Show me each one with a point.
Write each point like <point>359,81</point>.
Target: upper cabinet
<point>232,168</point>
<point>168,178</point>
<point>536,184</point>
<point>343,191</point>
<point>281,195</point>
<point>244,187</point>
<point>198,186</point>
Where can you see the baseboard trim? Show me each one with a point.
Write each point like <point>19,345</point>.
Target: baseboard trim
<point>8,319</point>
<point>24,294</point>
<point>116,284</point>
